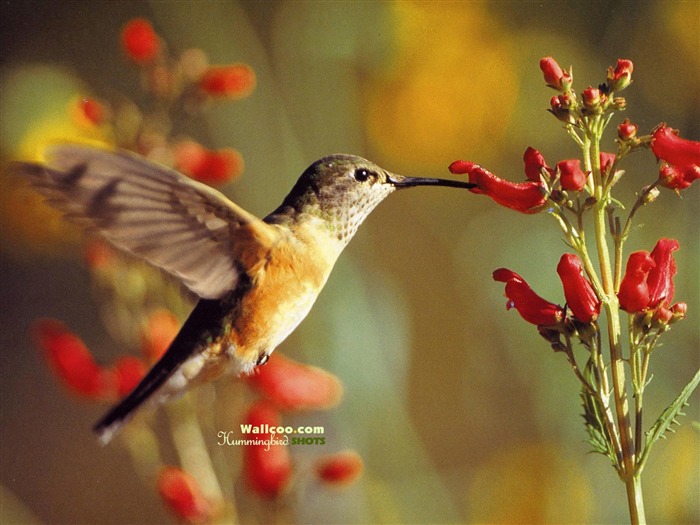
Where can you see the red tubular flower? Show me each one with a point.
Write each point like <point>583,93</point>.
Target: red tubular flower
<point>267,469</point>
<point>529,305</point>
<point>620,77</point>
<point>295,386</point>
<point>679,177</point>
<point>339,469</point>
<point>578,291</point>
<point>554,76</point>
<point>72,361</point>
<point>668,146</point>
<point>183,496</point>
<point>232,81</point>
<point>525,197</point>
<point>660,279</point>
<point>634,292</point>
<point>572,178</point>
<point>140,42</point>
<point>534,164</point>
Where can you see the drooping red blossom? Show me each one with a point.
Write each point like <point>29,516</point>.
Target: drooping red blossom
<point>571,177</point>
<point>339,469</point>
<point>72,361</point>
<point>626,130</point>
<point>529,305</point>
<point>232,81</point>
<point>160,329</point>
<point>578,291</point>
<point>295,386</point>
<point>210,167</point>
<point>591,98</point>
<point>660,279</point>
<point>140,42</point>
<point>128,372</point>
<point>267,468</point>
<point>678,177</point>
<point>669,147</point>
<point>634,292</point>
<point>183,495</point>
<point>525,197</point>
<point>534,164</point>
<point>554,76</point>
<point>620,77</point>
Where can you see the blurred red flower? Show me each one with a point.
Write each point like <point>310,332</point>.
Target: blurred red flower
<point>340,469</point>
<point>267,467</point>
<point>139,41</point>
<point>183,496</point>
<point>208,166</point>
<point>295,386</point>
<point>231,81</point>
<point>71,361</point>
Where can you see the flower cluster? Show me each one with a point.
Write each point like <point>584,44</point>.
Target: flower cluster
<point>573,192</point>
<point>183,85</point>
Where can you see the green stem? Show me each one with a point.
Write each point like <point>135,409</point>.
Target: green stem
<point>612,313</point>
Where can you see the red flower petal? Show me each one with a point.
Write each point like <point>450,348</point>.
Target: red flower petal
<point>525,197</point>
<point>668,146</point>
<point>183,496</point>
<point>578,291</point>
<point>660,277</point>
<point>554,76</point>
<point>342,468</point>
<point>534,163</point>
<point>571,176</point>
<point>140,41</point>
<point>529,305</point>
<point>634,291</point>
<point>679,177</point>
<point>295,386</point>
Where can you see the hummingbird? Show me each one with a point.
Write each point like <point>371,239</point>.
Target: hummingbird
<point>256,279</point>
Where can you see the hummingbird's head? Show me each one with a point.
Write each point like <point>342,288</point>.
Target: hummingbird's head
<point>342,190</point>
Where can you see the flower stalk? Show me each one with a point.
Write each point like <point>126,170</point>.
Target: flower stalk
<point>593,282</point>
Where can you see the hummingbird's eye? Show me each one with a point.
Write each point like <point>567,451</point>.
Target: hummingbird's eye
<point>262,359</point>
<point>362,174</point>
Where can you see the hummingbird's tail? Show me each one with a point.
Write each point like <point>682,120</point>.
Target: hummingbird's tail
<point>162,381</point>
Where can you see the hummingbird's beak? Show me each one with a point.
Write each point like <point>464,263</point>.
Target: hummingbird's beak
<point>399,181</point>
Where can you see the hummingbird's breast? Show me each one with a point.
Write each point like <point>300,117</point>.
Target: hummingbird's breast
<point>284,288</point>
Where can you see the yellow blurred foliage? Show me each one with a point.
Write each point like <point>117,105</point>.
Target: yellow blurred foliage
<point>447,87</point>
<point>38,104</point>
<point>529,484</point>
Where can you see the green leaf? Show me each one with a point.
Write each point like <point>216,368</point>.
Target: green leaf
<point>667,419</point>
<point>598,435</point>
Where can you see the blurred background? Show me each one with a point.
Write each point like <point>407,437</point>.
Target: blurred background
<point>461,412</point>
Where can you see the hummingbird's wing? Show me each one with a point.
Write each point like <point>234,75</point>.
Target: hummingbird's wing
<point>177,224</point>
